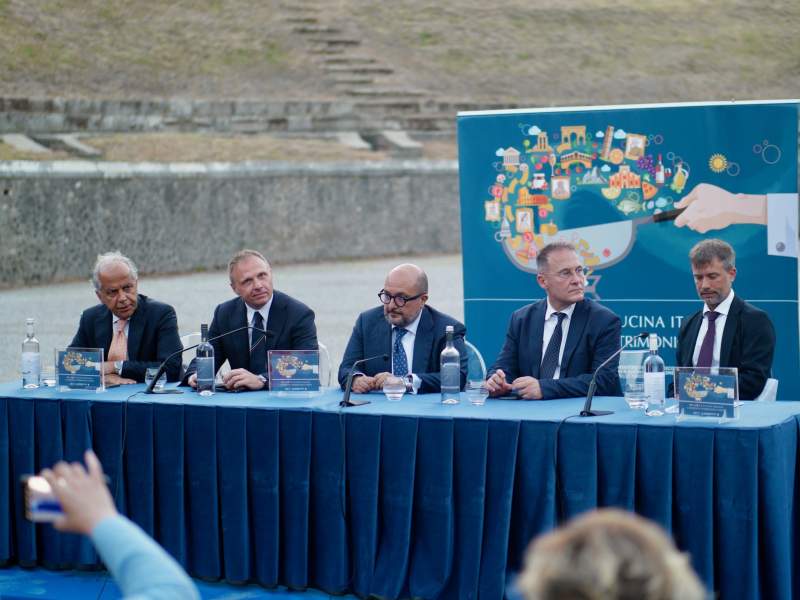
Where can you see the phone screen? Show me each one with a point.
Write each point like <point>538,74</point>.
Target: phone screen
<point>41,505</point>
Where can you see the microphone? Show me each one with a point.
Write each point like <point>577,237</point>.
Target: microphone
<point>348,386</point>
<point>163,367</point>
<point>587,407</point>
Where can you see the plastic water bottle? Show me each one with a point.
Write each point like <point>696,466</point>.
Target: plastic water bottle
<point>205,363</point>
<point>654,379</point>
<point>450,370</point>
<point>31,359</point>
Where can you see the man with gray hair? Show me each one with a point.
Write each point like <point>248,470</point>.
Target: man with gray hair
<point>135,331</point>
<point>727,331</point>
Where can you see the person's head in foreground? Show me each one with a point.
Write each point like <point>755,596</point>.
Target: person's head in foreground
<point>608,554</point>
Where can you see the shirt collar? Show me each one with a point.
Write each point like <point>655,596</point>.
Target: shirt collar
<point>724,308</point>
<point>550,310</point>
<point>264,310</point>
<point>412,327</point>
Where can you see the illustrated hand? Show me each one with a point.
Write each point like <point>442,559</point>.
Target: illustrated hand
<point>239,379</point>
<point>362,384</point>
<point>709,207</point>
<point>83,494</point>
<point>497,384</point>
<point>527,387</point>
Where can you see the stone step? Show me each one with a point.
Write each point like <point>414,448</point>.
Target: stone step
<point>349,60</point>
<point>72,144</point>
<point>316,30</point>
<point>23,143</point>
<point>352,139</point>
<point>387,106</point>
<point>336,42</point>
<point>327,51</point>
<point>359,70</point>
<point>423,122</point>
<point>302,20</point>
<point>351,80</point>
<point>384,93</point>
<point>300,7</point>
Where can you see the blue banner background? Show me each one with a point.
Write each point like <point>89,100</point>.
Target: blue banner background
<point>651,288</point>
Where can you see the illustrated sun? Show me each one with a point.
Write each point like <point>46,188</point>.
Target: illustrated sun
<point>718,163</point>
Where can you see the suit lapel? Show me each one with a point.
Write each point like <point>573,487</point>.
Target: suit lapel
<point>104,328</point>
<point>136,329</point>
<point>240,342</point>
<point>423,342</point>
<point>537,333</point>
<point>731,323</point>
<point>580,317</point>
<point>693,329</point>
<point>276,321</point>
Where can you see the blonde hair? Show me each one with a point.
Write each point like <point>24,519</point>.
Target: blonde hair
<point>608,554</point>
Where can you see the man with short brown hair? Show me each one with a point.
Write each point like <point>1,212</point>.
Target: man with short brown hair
<point>727,331</point>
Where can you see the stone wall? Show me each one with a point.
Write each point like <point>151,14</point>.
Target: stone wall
<point>56,217</point>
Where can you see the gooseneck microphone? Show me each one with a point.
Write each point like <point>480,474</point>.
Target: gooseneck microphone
<point>587,406</point>
<point>348,386</point>
<point>163,367</point>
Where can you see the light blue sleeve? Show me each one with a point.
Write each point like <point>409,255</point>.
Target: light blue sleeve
<point>142,569</point>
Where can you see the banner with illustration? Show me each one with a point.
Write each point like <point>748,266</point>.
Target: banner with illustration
<point>634,188</point>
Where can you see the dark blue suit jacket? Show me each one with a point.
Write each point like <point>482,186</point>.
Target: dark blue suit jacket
<point>594,335</point>
<point>748,343</point>
<point>152,337</point>
<point>290,326</point>
<point>372,335</point>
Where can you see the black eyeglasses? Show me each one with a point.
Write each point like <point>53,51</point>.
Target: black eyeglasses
<point>399,300</point>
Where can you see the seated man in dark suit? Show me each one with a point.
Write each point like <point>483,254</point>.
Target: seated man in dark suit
<point>554,345</point>
<point>135,331</point>
<point>280,323</point>
<point>727,331</point>
<point>406,329</point>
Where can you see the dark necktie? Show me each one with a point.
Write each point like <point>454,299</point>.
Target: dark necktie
<point>399,358</point>
<point>550,360</point>
<point>258,346</point>
<point>707,347</point>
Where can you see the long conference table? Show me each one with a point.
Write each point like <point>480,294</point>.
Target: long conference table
<point>405,499</point>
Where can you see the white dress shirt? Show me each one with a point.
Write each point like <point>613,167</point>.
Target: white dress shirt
<point>408,345</point>
<point>550,322</point>
<point>719,326</point>
<point>251,312</point>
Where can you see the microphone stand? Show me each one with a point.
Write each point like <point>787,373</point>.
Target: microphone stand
<point>587,406</point>
<point>348,386</point>
<point>163,367</point>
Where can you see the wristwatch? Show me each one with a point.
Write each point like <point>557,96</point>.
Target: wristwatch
<point>118,367</point>
<point>409,383</point>
<point>263,380</point>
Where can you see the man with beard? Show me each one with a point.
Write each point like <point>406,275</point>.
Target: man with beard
<point>554,345</point>
<point>727,331</point>
<point>406,329</point>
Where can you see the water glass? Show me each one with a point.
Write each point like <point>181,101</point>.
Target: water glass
<point>632,381</point>
<point>477,392</point>
<point>394,388</point>
<point>48,377</point>
<point>150,374</point>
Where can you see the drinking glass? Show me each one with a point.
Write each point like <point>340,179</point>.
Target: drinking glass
<point>150,373</point>
<point>48,376</point>
<point>394,388</point>
<point>477,392</point>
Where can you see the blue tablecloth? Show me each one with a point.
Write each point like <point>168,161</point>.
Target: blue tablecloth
<point>409,498</point>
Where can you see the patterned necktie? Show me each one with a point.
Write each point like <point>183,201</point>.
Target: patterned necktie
<point>119,344</point>
<point>550,360</point>
<point>258,346</point>
<point>707,347</point>
<point>399,358</point>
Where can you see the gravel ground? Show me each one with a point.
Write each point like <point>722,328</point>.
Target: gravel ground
<point>337,291</point>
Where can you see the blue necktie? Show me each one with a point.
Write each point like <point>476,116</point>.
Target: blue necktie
<point>399,358</point>
<point>550,360</point>
<point>258,346</point>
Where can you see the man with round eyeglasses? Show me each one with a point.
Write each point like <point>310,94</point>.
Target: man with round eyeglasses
<point>554,345</point>
<point>406,329</point>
